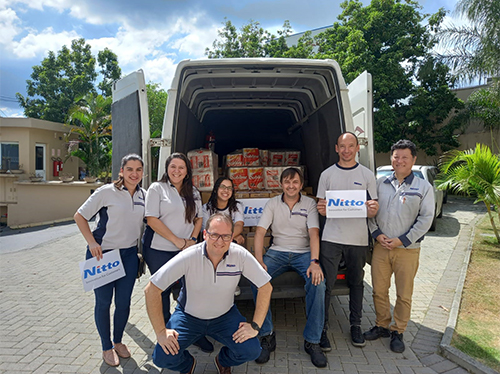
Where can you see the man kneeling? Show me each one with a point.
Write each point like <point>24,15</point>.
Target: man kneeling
<point>211,271</point>
<point>295,226</point>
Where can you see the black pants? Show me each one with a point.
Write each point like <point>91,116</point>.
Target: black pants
<point>355,259</point>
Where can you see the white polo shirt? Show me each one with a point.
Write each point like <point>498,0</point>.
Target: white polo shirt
<point>164,202</point>
<point>209,293</point>
<point>236,216</point>
<point>119,216</point>
<point>290,227</point>
<point>347,231</point>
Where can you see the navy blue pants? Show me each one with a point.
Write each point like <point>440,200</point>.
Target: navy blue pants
<point>191,329</point>
<point>122,289</point>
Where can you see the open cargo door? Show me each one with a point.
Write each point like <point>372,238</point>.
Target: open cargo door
<point>130,119</point>
<point>361,100</point>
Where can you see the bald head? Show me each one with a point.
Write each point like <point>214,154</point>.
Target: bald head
<point>347,136</point>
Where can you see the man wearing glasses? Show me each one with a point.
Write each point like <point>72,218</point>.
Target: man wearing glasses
<point>205,305</point>
<point>294,222</point>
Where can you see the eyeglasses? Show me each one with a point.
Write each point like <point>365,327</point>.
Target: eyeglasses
<point>227,188</point>
<point>215,237</point>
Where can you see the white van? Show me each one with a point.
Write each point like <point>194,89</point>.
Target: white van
<point>265,103</point>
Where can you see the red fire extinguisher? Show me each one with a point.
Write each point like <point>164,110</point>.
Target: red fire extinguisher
<point>56,166</point>
<point>60,164</point>
<point>210,141</point>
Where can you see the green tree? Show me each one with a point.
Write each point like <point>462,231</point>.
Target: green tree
<point>157,102</point>
<point>473,50</point>
<point>61,78</point>
<point>411,91</point>
<point>92,123</point>
<point>474,172</point>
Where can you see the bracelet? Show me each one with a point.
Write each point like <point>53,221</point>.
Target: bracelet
<point>185,243</point>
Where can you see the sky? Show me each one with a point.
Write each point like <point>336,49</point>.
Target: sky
<point>153,35</point>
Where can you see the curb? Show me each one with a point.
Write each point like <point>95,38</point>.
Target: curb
<point>445,349</point>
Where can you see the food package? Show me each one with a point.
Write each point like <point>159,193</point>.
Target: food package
<point>272,176</point>
<point>202,159</point>
<point>235,159</point>
<point>276,158</point>
<point>264,157</point>
<point>239,176</point>
<point>292,158</point>
<point>255,178</point>
<point>203,180</point>
<point>251,156</point>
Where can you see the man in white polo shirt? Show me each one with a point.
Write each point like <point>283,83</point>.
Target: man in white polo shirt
<point>211,271</point>
<point>294,222</point>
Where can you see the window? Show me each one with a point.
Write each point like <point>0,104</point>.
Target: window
<point>10,155</point>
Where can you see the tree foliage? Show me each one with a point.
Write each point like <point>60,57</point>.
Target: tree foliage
<point>474,172</point>
<point>92,123</point>
<point>473,50</point>
<point>390,39</point>
<point>63,77</point>
<point>157,102</point>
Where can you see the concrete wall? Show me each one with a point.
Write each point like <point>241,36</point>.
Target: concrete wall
<point>47,202</point>
<point>28,132</point>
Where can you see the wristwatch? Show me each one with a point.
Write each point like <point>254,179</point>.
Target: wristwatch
<point>315,260</point>
<point>194,239</point>
<point>255,326</point>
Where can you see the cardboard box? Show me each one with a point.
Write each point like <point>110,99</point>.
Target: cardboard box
<point>235,159</point>
<point>251,156</point>
<point>272,176</point>
<point>242,195</point>
<point>308,190</point>
<point>205,196</point>
<point>292,158</point>
<point>255,178</point>
<point>202,159</point>
<point>276,158</point>
<point>250,242</point>
<point>264,157</point>
<point>203,180</point>
<point>259,194</point>
<point>239,176</point>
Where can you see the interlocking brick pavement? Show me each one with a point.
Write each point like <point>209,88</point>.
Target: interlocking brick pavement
<point>47,324</point>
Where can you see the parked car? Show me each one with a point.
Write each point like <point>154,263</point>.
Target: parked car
<point>428,173</point>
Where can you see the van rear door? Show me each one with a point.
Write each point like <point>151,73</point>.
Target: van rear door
<point>361,100</point>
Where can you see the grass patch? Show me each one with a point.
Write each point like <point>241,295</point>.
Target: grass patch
<point>478,327</point>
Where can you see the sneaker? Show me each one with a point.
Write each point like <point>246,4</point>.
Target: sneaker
<point>357,338</point>
<point>318,358</point>
<point>397,344</point>
<point>377,332</point>
<point>221,369</point>
<point>268,345</point>
<point>324,343</point>
<point>204,344</point>
<point>237,291</point>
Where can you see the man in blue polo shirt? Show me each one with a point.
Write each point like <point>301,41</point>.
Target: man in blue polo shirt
<point>294,222</point>
<point>211,271</point>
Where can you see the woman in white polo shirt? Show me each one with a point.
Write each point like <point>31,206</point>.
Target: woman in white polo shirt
<point>119,207</point>
<point>222,200</point>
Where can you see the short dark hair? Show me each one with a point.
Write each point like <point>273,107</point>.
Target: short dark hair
<point>345,133</point>
<point>290,173</point>
<point>405,144</point>
<point>220,217</point>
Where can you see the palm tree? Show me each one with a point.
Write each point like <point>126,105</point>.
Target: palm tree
<point>473,50</point>
<point>474,172</point>
<point>91,120</point>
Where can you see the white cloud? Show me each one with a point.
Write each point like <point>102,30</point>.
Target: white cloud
<point>8,25</point>
<point>33,45</point>
<point>12,112</point>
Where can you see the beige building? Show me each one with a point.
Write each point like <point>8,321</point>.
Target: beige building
<point>31,148</point>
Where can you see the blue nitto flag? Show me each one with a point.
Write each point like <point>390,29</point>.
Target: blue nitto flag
<point>346,204</point>
<point>98,273</point>
<point>253,210</point>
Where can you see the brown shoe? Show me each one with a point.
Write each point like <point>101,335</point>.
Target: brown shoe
<point>191,371</point>
<point>122,350</point>
<point>221,369</point>
<point>110,357</point>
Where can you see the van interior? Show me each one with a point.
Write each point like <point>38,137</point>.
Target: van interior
<point>265,105</point>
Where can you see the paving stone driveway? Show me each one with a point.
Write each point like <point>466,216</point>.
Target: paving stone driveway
<point>47,324</point>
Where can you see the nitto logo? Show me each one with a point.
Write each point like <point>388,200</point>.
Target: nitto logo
<point>99,269</point>
<point>250,210</point>
<point>342,202</point>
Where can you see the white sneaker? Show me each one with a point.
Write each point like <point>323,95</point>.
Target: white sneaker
<point>237,291</point>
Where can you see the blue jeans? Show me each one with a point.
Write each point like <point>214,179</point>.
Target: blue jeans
<point>155,259</point>
<point>122,288</point>
<point>191,329</point>
<point>277,263</point>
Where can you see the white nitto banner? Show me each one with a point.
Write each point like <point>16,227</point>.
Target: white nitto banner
<point>98,273</point>
<point>346,204</point>
<point>253,210</point>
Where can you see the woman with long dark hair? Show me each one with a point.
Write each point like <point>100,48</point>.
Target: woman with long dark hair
<point>173,213</point>
<point>222,200</point>
<point>119,207</point>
